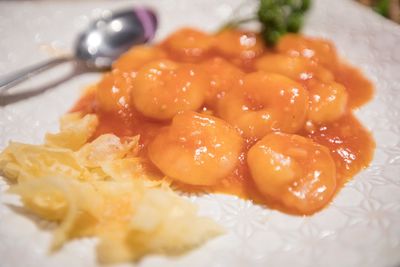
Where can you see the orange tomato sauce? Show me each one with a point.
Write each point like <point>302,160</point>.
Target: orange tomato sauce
<point>350,144</point>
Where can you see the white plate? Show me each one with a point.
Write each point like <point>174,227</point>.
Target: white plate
<point>360,228</point>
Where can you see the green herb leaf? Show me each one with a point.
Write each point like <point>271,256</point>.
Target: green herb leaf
<point>277,17</point>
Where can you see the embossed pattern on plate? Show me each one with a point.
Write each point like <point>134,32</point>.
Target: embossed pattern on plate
<point>360,228</point>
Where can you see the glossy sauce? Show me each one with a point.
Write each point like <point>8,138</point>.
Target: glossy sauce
<point>359,88</point>
<point>351,145</point>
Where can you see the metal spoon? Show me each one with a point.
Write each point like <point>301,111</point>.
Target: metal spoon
<point>96,48</point>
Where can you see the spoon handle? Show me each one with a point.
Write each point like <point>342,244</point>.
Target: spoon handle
<point>17,77</point>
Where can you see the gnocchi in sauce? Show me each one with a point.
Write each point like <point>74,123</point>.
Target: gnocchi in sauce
<point>224,113</point>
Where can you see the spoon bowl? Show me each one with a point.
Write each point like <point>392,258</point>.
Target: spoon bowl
<point>107,38</point>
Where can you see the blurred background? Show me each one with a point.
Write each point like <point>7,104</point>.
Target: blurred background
<point>387,8</point>
<point>390,9</point>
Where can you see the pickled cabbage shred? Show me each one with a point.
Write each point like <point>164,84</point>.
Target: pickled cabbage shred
<point>101,189</point>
